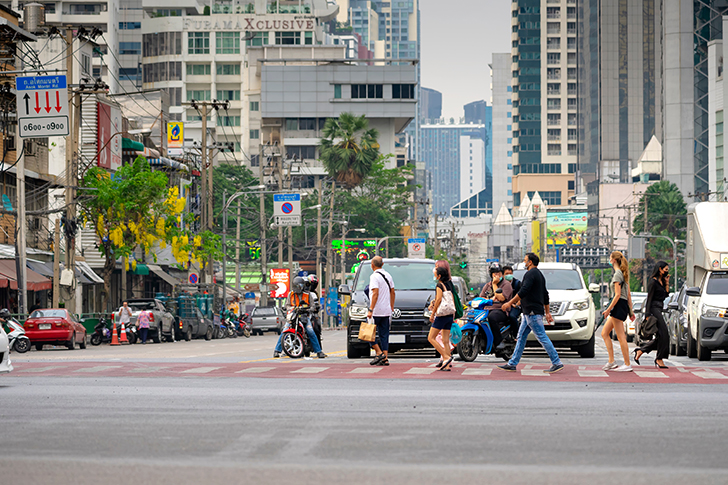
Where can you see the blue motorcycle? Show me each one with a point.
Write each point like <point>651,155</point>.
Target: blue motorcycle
<point>478,337</point>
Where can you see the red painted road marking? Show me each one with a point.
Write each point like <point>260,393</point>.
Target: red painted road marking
<point>475,371</point>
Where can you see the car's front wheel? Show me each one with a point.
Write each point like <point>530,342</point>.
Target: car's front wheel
<point>692,346</point>
<point>586,351</point>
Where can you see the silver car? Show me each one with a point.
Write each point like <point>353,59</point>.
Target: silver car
<point>267,319</point>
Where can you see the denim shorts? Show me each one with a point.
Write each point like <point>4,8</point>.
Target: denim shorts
<point>443,323</point>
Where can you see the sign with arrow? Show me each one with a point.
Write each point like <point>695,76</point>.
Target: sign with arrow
<point>42,104</point>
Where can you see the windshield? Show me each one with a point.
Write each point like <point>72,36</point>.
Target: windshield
<point>264,311</point>
<point>48,314</point>
<point>137,306</point>
<point>557,279</point>
<point>718,284</point>
<point>405,274</point>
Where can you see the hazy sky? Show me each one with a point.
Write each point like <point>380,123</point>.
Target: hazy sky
<point>458,40</point>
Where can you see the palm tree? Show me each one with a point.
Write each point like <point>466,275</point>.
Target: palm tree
<point>349,149</point>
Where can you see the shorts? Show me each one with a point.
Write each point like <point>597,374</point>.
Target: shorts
<point>443,323</point>
<point>620,310</point>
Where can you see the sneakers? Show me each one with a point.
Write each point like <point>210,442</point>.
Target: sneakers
<point>508,367</point>
<point>610,366</point>
<point>321,355</point>
<point>623,368</point>
<point>554,368</point>
<point>276,355</point>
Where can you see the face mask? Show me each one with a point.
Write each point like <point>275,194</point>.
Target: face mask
<point>509,277</point>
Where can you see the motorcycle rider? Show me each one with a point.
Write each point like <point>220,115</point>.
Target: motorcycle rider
<point>496,316</point>
<point>300,296</point>
<point>4,317</point>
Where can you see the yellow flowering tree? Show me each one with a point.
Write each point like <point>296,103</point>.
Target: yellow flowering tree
<point>133,209</point>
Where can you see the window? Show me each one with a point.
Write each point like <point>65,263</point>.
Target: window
<point>198,42</point>
<point>571,149</point>
<point>230,121</point>
<point>288,38</point>
<point>254,106</point>
<point>198,69</point>
<point>554,119</point>
<point>307,124</point>
<point>308,38</point>
<point>254,134</point>
<point>227,42</point>
<point>130,74</point>
<point>175,96</point>
<point>337,91</point>
<point>551,198</point>
<point>85,64</point>
<point>554,103</point>
<point>571,103</point>
<point>228,69</point>
<point>553,88</point>
<point>403,91</point>
<point>260,39</point>
<point>554,135</point>
<point>291,124</point>
<point>228,95</point>
<point>570,185</point>
<point>553,73</point>
<point>364,91</point>
<point>301,153</point>
<point>198,95</point>
<point>553,58</point>
<point>162,44</point>
<point>130,25</point>
<point>162,71</point>
<point>554,149</point>
<point>130,48</point>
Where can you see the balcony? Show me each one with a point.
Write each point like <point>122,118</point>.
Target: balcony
<point>554,92</point>
<point>553,122</point>
<point>554,137</point>
<point>553,46</point>
<point>554,77</point>
<point>554,153</point>
<point>553,15</point>
<point>570,31</point>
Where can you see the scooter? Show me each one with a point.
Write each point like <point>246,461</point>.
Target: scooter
<point>103,332</point>
<point>478,337</point>
<point>244,325</point>
<point>17,339</point>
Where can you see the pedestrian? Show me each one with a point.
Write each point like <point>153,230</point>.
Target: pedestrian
<point>124,314</point>
<point>381,306</point>
<point>442,313</point>
<point>496,316</point>
<point>617,312</point>
<point>143,324</point>
<point>657,292</point>
<point>534,298</point>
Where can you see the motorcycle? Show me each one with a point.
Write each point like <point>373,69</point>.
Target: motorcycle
<point>17,340</point>
<point>478,337</point>
<point>244,325</point>
<point>294,340</point>
<point>103,332</point>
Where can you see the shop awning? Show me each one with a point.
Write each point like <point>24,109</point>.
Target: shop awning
<point>147,152</point>
<point>89,273</point>
<point>9,277</point>
<point>167,162</point>
<point>141,269</point>
<point>127,144</point>
<point>157,270</point>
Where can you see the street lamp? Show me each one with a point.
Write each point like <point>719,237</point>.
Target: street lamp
<point>344,232</point>
<point>225,207</point>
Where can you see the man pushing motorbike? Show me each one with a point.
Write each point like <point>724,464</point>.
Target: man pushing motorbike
<point>302,294</point>
<point>500,291</point>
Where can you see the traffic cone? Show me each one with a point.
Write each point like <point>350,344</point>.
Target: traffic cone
<point>123,335</point>
<point>114,336</point>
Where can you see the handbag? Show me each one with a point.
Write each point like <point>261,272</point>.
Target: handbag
<point>368,331</point>
<point>447,305</point>
<point>648,329</point>
<point>456,335</point>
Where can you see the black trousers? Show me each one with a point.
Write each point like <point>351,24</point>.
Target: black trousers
<point>497,318</point>
<point>661,342</point>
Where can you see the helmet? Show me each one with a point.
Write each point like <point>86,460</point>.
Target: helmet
<point>495,269</point>
<point>297,285</point>
<point>313,279</point>
<point>5,313</point>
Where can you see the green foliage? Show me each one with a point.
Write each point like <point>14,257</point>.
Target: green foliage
<point>349,149</point>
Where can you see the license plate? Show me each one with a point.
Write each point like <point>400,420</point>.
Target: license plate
<point>396,339</point>
<point>44,326</point>
<point>548,324</point>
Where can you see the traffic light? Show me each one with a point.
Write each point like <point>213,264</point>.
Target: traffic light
<point>463,264</point>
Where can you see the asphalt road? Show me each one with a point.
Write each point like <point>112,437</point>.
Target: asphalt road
<point>84,428</point>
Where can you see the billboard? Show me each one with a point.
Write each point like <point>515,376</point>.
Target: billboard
<point>108,136</point>
<point>279,280</point>
<point>565,228</point>
<point>175,134</point>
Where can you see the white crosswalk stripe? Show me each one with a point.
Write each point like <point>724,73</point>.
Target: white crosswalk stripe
<point>365,370</point>
<point>477,372</point>
<point>42,369</point>
<point>98,368</point>
<point>255,370</point>
<point>309,370</point>
<point>200,370</point>
<point>710,374</point>
<point>650,374</point>
<point>147,370</point>
<point>592,373</point>
<point>421,370</point>
<point>534,372</point>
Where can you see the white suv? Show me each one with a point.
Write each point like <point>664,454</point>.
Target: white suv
<point>571,305</point>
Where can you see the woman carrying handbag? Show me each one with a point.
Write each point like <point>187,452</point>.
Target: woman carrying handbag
<point>658,290</point>
<point>442,316</point>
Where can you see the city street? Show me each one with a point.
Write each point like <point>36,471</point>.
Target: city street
<point>224,411</point>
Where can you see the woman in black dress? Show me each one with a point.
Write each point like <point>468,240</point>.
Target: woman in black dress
<point>658,291</point>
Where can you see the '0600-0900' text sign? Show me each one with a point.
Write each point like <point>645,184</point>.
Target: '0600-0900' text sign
<point>42,105</point>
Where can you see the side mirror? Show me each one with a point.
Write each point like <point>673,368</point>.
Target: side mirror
<point>692,291</point>
<point>593,288</point>
<point>344,290</point>
<point>672,306</point>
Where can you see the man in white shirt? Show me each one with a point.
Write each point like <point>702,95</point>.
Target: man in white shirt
<point>381,296</point>
<point>124,314</point>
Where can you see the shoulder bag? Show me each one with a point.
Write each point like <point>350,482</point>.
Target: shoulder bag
<point>648,328</point>
<point>447,304</point>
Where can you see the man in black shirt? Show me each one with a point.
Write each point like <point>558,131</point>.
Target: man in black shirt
<point>534,300</point>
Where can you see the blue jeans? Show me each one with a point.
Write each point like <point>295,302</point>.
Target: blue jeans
<point>533,323</point>
<point>382,339</point>
<point>311,337</point>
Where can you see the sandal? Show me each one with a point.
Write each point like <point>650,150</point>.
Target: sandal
<point>446,365</point>
<point>439,364</point>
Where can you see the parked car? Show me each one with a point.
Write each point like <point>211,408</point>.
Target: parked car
<point>461,288</point>
<point>5,365</point>
<point>54,326</point>
<point>161,323</point>
<point>267,319</point>
<point>677,322</point>
<point>571,305</point>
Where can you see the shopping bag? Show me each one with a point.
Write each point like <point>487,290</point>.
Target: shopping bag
<point>368,330</point>
<point>456,335</point>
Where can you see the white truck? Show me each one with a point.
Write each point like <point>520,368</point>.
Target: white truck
<point>707,278</point>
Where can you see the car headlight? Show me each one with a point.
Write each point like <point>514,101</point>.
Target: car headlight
<point>711,311</point>
<point>579,305</point>
<point>358,311</point>
<point>428,312</point>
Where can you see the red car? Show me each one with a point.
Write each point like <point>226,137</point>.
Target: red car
<point>54,326</point>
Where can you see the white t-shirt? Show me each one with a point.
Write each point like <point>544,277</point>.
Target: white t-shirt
<point>383,307</point>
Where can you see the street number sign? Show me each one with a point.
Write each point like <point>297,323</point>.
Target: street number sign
<point>287,209</point>
<point>42,106</point>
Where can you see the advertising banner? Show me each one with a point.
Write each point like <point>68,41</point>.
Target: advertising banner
<point>279,280</point>
<point>108,124</point>
<point>175,134</point>
<point>565,228</point>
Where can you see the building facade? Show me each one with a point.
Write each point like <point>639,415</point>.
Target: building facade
<point>502,132</point>
<point>475,112</point>
<point>431,105</point>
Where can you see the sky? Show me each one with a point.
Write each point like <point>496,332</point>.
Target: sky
<point>457,46</point>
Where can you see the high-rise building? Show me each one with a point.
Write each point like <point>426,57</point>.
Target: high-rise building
<point>129,50</point>
<point>430,105</point>
<point>502,132</point>
<point>475,112</point>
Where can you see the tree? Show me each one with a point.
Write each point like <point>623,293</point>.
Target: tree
<point>349,149</point>
<point>135,208</point>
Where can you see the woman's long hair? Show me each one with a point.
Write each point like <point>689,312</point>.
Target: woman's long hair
<point>441,263</point>
<point>622,263</point>
<point>656,273</point>
<point>443,273</point>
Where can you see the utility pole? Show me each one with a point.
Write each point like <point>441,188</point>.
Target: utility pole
<point>71,169</point>
<point>56,262</point>
<point>263,249</point>
<point>20,224</point>
<point>329,252</point>
<point>279,168</point>
<point>318,227</point>
<point>237,252</point>
<point>437,239</point>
